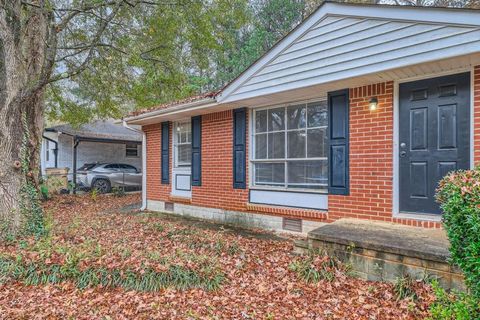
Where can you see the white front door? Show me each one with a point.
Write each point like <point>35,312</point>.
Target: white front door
<point>182,159</point>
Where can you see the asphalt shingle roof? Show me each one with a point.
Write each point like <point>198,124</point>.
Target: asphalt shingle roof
<point>103,129</point>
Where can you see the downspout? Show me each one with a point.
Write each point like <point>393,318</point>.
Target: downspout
<point>144,163</point>
<point>55,151</point>
<point>75,145</point>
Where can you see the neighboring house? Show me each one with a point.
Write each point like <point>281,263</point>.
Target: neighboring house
<point>100,141</point>
<point>357,113</point>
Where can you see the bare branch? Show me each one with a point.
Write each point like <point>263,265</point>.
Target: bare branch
<point>47,68</point>
<point>93,45</point>
<point>88,46</point>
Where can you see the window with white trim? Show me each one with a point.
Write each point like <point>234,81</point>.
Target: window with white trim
<point>183,144</point>
<point>290,146</point>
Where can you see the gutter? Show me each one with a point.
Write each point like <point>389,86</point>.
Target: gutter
<point>173,109</point>
<point>144,164</point>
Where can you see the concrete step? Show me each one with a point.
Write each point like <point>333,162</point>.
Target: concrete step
<point>387,251</point>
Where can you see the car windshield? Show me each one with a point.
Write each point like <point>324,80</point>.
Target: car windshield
<point>87,166</point>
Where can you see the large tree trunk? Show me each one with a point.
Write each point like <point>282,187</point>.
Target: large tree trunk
<point>22,52</point>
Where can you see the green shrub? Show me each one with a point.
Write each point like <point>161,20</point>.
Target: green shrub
<point>44,192</point>
<point>453,306</point>
<point>459,196</point>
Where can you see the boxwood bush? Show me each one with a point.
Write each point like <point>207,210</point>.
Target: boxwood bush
<point>459,196</point>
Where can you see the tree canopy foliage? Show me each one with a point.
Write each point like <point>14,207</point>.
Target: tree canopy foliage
<point>148,54</point>
<point>151,54</point>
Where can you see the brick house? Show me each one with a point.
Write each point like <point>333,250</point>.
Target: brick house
<point>356,113</point>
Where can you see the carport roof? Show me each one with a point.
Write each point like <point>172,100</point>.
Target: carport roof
<point>101,129</point>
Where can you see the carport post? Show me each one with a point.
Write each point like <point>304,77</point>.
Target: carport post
<point>76,141</point>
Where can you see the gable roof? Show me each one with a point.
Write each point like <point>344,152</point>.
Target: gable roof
<point>322,48</point>
<point>101,129</point>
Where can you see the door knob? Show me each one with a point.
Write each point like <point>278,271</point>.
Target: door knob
<point>403,145</point>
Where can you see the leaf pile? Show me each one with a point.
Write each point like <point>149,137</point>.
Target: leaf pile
<point>257,275</point>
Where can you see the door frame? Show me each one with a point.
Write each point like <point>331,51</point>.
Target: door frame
<point>396,135</point>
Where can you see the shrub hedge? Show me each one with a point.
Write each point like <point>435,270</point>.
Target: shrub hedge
<point>459,196</point>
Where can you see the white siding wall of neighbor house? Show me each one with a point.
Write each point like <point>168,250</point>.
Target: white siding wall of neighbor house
<point>89,152</point>
<point>47,155</point>
<point>339,47</point>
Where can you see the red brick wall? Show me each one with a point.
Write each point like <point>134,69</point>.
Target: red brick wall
<point>217,165</point>
<point>371,163</point>
<point>371,157</point>
<point>476,103</point>
<point>371,160</point>
<point>155,189</point>
<point>217,189</point>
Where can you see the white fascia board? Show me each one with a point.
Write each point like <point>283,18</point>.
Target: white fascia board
<point>176,109</point>
<point>444,16</point>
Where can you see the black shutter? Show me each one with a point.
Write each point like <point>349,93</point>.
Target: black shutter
<point>239,145</point>
<point>165,152</point>
<point>197,151</point>
<point>338,156</point>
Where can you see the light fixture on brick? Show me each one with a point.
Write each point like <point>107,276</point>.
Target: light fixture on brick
<point>373,104</point>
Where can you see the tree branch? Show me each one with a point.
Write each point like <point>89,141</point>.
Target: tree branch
<point>47,68</point>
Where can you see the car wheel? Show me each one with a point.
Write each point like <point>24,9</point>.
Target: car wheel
<point>102,185</point>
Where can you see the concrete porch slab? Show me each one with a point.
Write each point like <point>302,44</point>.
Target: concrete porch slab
<point>388,237</point>
<point>387,251</point>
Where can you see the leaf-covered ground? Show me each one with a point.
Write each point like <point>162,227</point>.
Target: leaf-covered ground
<point>250,272</point>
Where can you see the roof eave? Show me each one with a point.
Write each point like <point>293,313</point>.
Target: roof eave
<point>180,108</point>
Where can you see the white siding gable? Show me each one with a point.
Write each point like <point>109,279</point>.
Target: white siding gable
<point>333,45</point>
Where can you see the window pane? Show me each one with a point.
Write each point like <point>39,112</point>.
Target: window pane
<point>296,144</point>
<point>261,146</point>
<point>261,121</point>
<point>296,116</point>
<point>184,154</point>
<point>307,174</point>
<point>317,114</point>
<point>183,132</point>
<point>270,174</point>
<point>317,143</point>
<point>276,119</point>
<point>276,145</point>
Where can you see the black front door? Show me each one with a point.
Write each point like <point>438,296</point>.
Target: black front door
<point>434,137</point>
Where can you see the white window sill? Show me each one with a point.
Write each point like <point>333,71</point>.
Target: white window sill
<point>299,190</point>
<point>286,198</point>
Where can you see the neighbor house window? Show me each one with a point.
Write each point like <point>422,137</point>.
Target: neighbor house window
<point>290,146</point>
<point>131,150</point>
<point>183,144</point>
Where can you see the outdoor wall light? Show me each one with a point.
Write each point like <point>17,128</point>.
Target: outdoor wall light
<point>373,104</point>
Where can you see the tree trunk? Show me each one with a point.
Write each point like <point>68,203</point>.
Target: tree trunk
<point>23,37</point>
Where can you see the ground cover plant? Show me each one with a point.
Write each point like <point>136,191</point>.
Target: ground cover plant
<point>99,261</point>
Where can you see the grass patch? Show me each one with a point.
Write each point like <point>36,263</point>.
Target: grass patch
<point>314,267</point>
<point>404,287</point>
<point>207,278</point>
